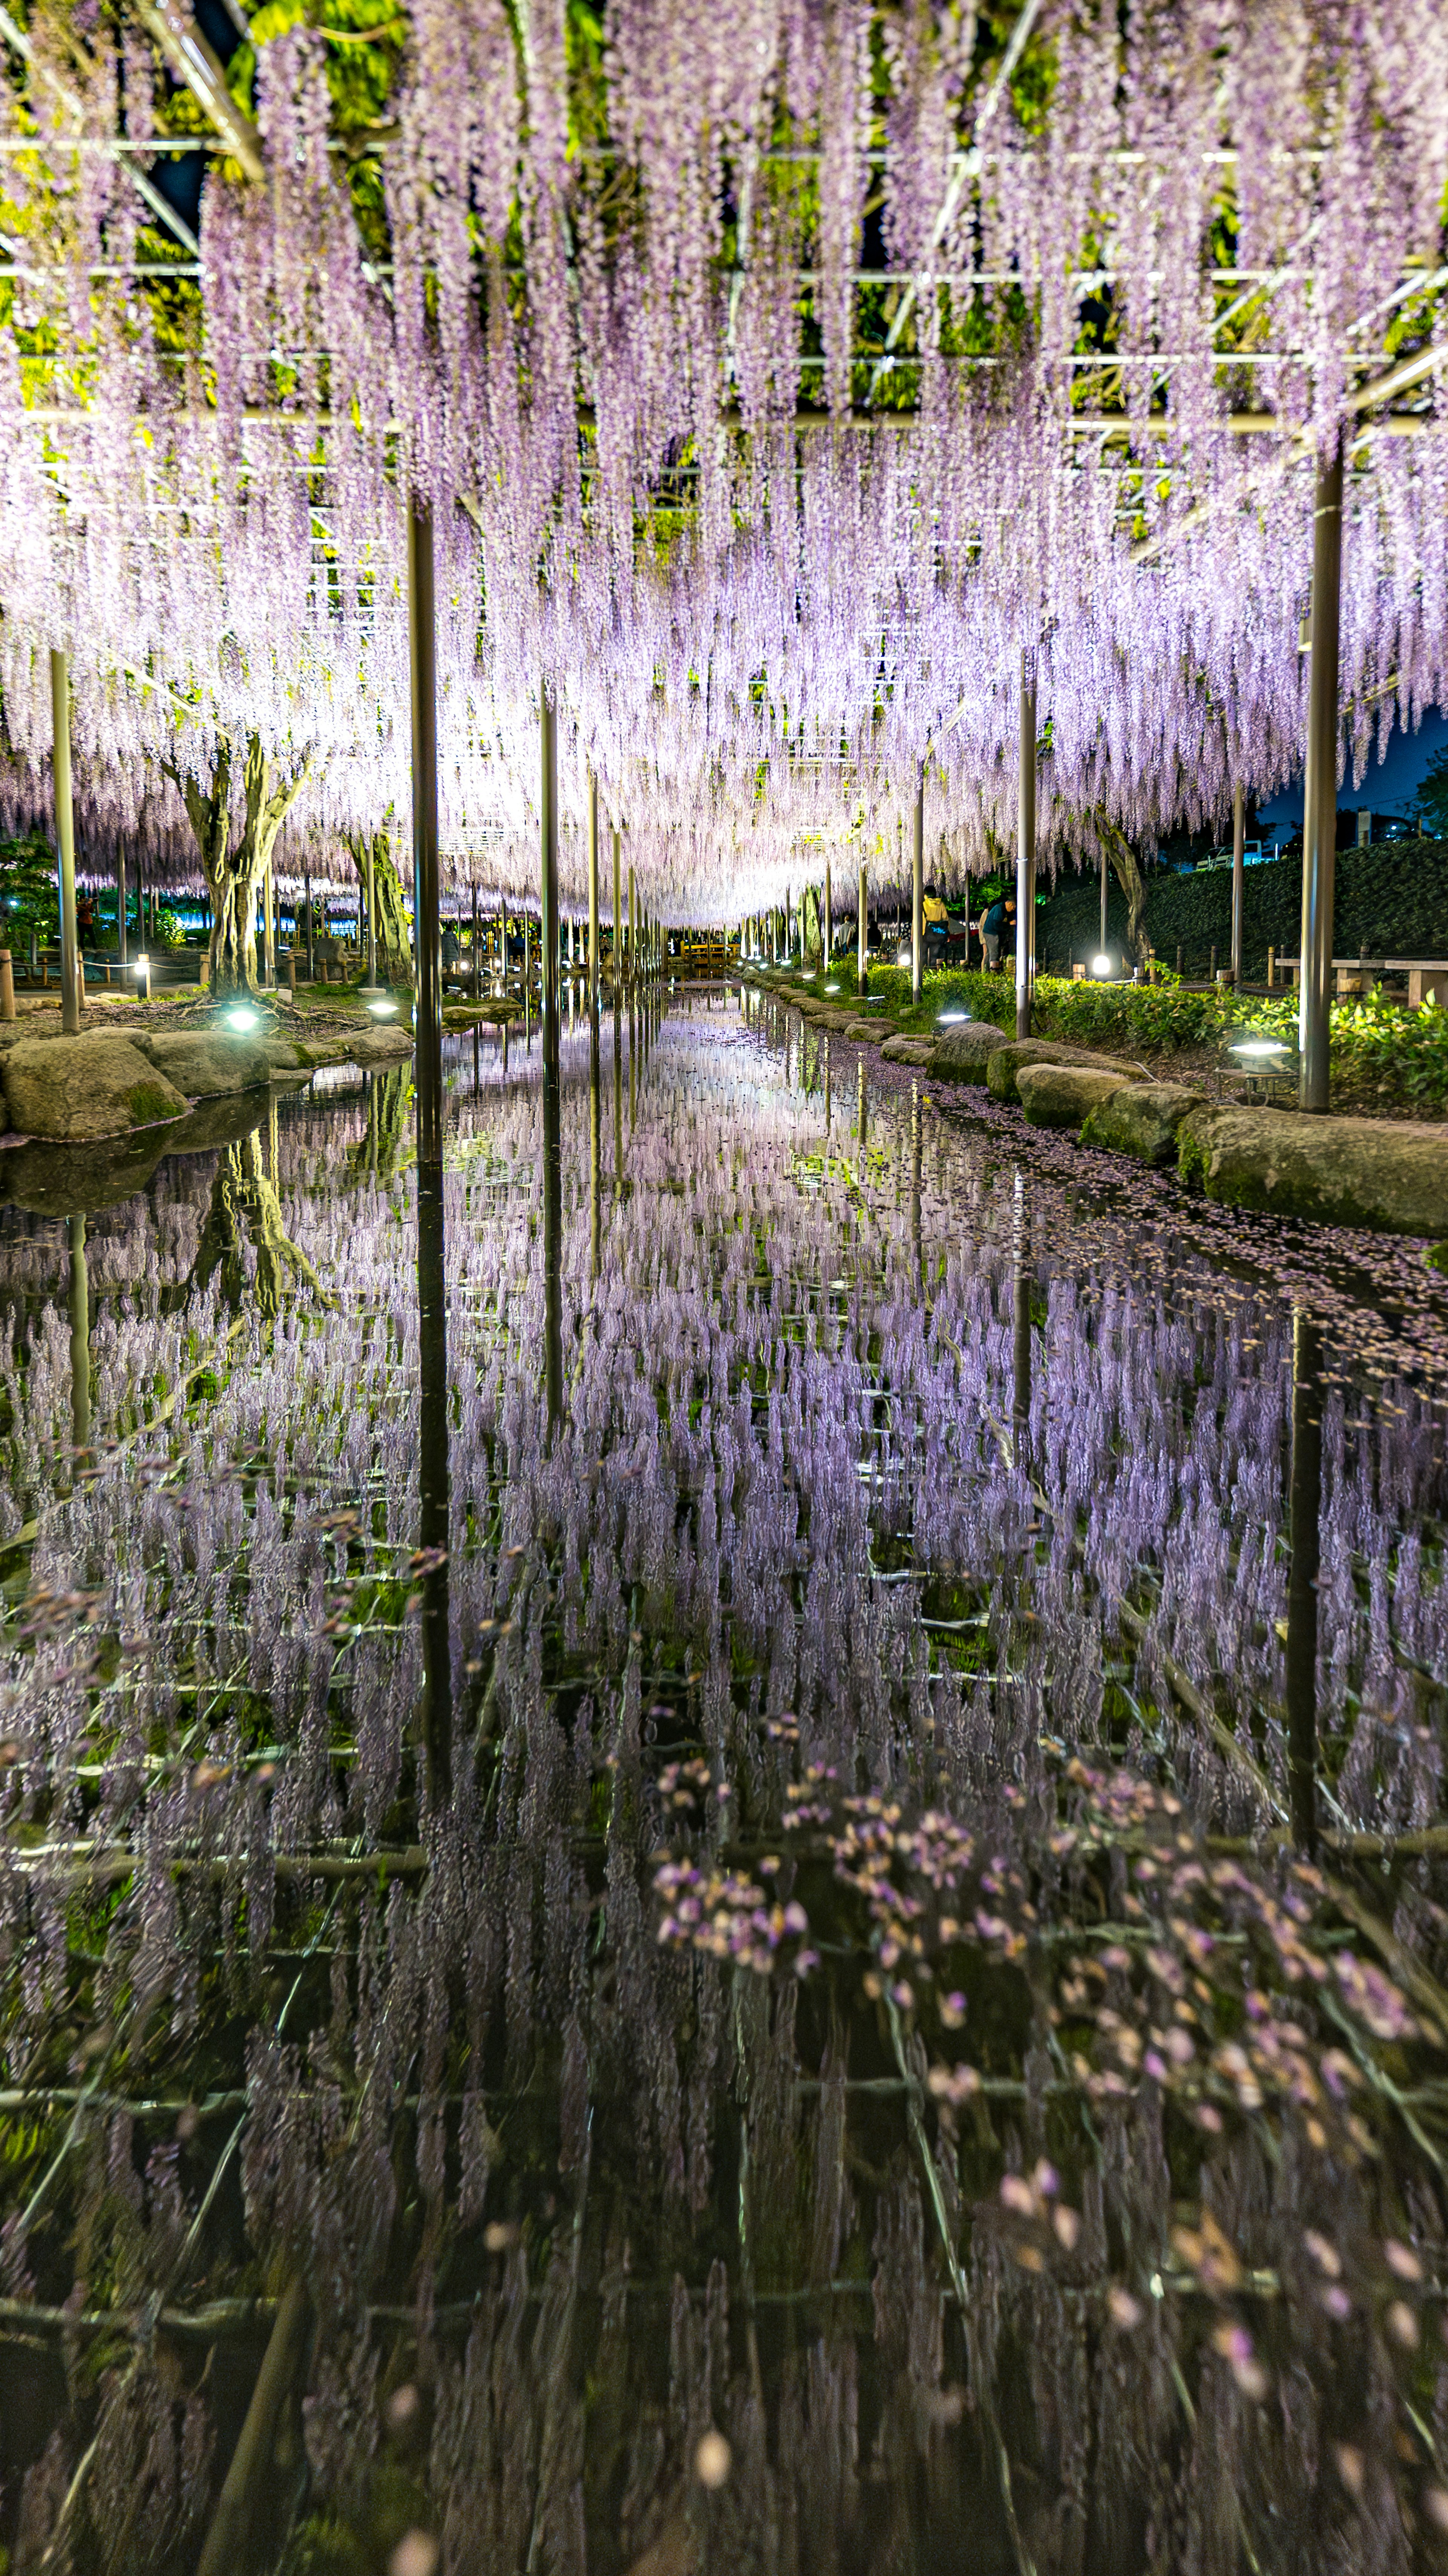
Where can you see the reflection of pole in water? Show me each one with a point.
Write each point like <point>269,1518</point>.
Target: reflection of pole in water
<point>552,1245</point>
<point>860,1120</point>
<point>915,1147</point>
<point>595,1139</point>
<point>552,1087</point>
<point>80,1396</point>
<point>431,1277</point>
<point>433,1476</point>
<point>826,1045</point>
<point>1021,1396</point>
<point>633,1043</point>
<point>617,1096</point>
<point>1304,1531</point>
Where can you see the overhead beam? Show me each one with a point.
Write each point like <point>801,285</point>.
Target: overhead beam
<point>190,57</point>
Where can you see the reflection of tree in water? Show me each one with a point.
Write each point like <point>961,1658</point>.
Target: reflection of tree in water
<point>386,1148</point>
<point>245,1215</point>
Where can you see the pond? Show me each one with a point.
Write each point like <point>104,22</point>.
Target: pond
<point>724,1851</point>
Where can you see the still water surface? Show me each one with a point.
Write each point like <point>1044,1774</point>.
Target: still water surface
<point>724,1851</point>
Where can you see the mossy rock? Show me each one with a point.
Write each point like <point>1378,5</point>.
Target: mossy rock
<point>962,1054</point>
<point>78,1090</point>
<point>1142,1119</point>
<point>1063,1095</point>
<point>206,1062</point>
<point>1371,1172</point>
<point>1006,1061</point>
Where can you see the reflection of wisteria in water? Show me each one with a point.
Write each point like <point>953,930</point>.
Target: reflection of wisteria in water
<point>860,2070</point>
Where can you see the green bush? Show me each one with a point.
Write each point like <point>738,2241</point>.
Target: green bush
<point>1376,1044</point>
<point>28,899</point>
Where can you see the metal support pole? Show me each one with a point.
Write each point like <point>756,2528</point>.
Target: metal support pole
<point>120,902</point>
<point>65,842</point>
<point>1105,890</point>
<point>592,892</point>
<point>864,932</point>
<point>617,911</point>
<point>917,890</point>
<point>1026,850</point>
<point>633,928</point>
<point>548,880</point>
<point>311,943</point>
<point>1239,847</point>
<point>829,919</point>
<point>426,883</point>
<point>1319,854</point>
<point>269,930</point>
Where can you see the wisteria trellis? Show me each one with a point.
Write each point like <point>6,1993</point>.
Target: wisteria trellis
<point>602,311</point>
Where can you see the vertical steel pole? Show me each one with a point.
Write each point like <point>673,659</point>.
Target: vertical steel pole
<point>633,928</point>
<point>617,945</point>
<point>426,882</point>
<point>65,842</point>
<point>548,883</point>
<point>371,915</point>
<point>917,890</point>
<point>1319,854</point>
<point>120,900</point>
<point>592,891</point>
<point>1026,850</point>
<point>1105,888</point>
<point>1239,848</point>
<point>269,930</point>
<point>829,920</point>
<point>864,933</point>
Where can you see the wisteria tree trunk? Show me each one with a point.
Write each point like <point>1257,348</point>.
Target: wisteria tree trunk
<point>1127,870</point>
<point>393,933</point>
<point>234,874</point>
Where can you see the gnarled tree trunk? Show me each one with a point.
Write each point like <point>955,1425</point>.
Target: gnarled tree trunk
<point>233,874</point>
<point>394,939</point>
<point>1130,879</point>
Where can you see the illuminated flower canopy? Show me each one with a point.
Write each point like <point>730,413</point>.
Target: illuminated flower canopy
<point>774,381</point>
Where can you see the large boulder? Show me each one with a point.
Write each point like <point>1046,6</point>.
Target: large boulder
<point>962,1053</point>
<point>387,1044</point>
<point>1005,1062</point>
<point>207,1062</point>
<point>80,1089</point>
<point>1142,1118</point>
<point>867,1032</point>
<point>1062,1095</point>
<point>904,1050</point>
<point>1340,1171</point>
